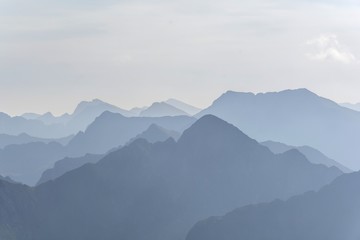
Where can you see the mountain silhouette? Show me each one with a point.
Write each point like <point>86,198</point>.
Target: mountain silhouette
<point>86,112</point>
<point>67,164</point>
<point>156,133</point>
<point>296,117</point>
<point>153,134</point>
<point>313,155</point>
<point>161,109</point>
<point>25,162</point>
<point>112,130</point>
<point>333,213</point>
<point>137,110</point>
<point>158,191</point>
<point>189,109</point>
<point>7,179</point>
<point>36,128</point>
<point>51,126</point>
<point>23,138</point>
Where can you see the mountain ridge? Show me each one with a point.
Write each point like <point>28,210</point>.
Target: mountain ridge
<point>158,191</point>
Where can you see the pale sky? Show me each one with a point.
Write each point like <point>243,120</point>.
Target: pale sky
<point>53,54</point>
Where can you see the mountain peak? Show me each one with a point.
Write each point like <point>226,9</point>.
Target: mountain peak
<point>160,109</point>
<point>96,106</point>
<point>210,128</point>
<point>211,121</point>
<point>85,104</point>
<point>299,91</point>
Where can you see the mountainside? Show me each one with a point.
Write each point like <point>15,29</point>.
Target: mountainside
<point>17,209</point>
<point>7,179</point>
<point>67,164</point>
<point>313,155</point>
<point>355,106</point>
<point>153,134</point>
<point>158,191</point>
<point>296,117</point>
<point>24,138</point>
<point>161,109</point>
<point>189,109</point>
<point>25,162</point>
<point>86,112</point>
<point>156,133</point>
<point>50,126</point>
<point>112,130</point>
<point>333,213</point>
<point>18,125</point>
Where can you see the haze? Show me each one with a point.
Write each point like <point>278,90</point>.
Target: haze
<point>53,54</point>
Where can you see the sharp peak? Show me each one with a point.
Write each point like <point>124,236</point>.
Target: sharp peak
<point>110,114</point>
<point>212,123</point>
<point>293,151</point>
<point>211,117</point>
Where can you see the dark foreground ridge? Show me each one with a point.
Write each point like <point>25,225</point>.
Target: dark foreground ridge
<point>158,191</point>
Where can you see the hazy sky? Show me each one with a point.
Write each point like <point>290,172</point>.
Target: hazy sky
<point>55,53</point>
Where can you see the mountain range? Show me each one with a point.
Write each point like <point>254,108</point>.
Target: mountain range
<point>161,109</point>
<point>157,191</point>
<point>53,127</point>
<point>6,140</point>
<point>294,117</point>
<point>313,155</point>
<point>26,162</point>
<point>333,213</point>
<point>66,165</point>
<point>153,134</point>
<point>111,130</point>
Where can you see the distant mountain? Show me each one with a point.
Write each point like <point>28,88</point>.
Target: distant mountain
<point>296,117</point>
<point>25,162</point>
<point>156,133</point>
<point>161,109</point>
<point>31,116</point>
<point>67,124</point>
<point>48,118</point>
<point>353,106</point>
<point>24,138</point>
<point>333,213</point>
<point>158,191</point>
<point>137,110</point>
<point>112,130</point>
<point>7,179</point>
<point>86,112</point>
<point>67,164</point>
<point>313,155</point>
<point>153,134</point>
<point>18,125</point>
<point>190,110</point>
